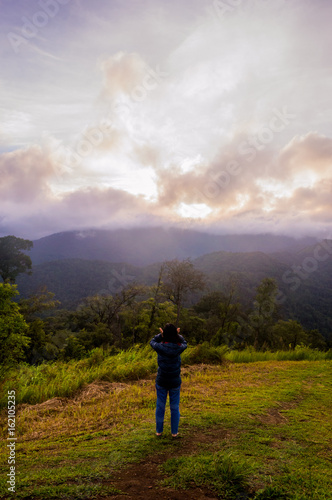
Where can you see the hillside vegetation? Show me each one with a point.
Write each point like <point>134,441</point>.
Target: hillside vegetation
<point>63,379</point>
<point>306,300</point>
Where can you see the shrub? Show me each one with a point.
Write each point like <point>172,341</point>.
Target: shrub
<point>204,353</point>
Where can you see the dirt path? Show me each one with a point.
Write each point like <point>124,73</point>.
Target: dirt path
<point>140,481</point>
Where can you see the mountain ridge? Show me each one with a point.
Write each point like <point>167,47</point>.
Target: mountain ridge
<point>143,246</point>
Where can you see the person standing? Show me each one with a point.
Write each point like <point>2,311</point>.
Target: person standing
<point>168,344</point>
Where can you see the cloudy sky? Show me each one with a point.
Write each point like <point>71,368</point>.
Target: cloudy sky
<point>207,114</point>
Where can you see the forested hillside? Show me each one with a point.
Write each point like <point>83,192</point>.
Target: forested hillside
<point>305,292</point>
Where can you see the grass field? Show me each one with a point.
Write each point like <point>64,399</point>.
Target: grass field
<point>36,384</point>
<point>249,430</point>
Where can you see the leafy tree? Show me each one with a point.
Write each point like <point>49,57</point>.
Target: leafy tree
<point>180,279</point>
<point>136,319</point>
<point>194,328</point>
<point>228,311</point>
<point>58,339</point>
<point>316,340</point>
<point>264,314</point>
<point>12,260</point>
<point>164,313</point>
<point>208,305</point>
<point>40,346</point>
<point>100,336</point>
<point>73,349</point>
<point>157,292</point>
<point>228,337</point>
<point>41,301</point>
<point>288,334</point>
<point>221,314</point>
<point>13,328</point>
<point>106,309</point>
<point>38,340</point>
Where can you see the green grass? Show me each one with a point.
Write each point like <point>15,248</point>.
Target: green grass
<point>35,384</point>
<point>215,470</point>
<point>286,434</point>
<point>299,354</point>
<point>275,442</point>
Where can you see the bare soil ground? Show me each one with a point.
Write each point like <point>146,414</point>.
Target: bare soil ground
<point>142,480</point>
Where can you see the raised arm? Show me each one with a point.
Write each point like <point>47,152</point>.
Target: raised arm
<point>156,340</point>
<point>183,343</point>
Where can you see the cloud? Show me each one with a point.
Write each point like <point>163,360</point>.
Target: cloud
<point>121,73</point>
<point>146,155</point>
<point>30,207</point>
<point>312,152</point>
<point>102,137</point>
<point>298,180</point>
<point>147,107</point>
<point>24,175</point>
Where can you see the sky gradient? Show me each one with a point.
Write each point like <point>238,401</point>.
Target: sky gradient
<point>213,115</point>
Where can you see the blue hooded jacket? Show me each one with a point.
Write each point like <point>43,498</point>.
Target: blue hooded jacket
<point>169,361</point>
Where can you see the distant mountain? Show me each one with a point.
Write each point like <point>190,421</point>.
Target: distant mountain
<point>143,246</point>
<point>304,281</point>
<point>71,280</point>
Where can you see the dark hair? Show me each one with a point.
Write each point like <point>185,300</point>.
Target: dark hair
<point>170,334</point>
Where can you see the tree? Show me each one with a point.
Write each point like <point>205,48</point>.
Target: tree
<point>194,328</point>
<point>265,312</point>
<point>73,349</point>
<point>157,296</point>
<point>288,334</point>
<point>316,340</point>
<point>12,260</point>
<point>209,304</point>
<point>228,311</point>
<point>180,279</point>
<point>31,307</point>
<point>136,319</point>
<point>13,327</point>
<point>221,314</point>
<point>41,301</point>
<point>133,316</point>
<point>106,309</point>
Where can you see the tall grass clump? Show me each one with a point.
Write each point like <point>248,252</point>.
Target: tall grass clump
<point>250,355</point>
<point>204,353</point>
<point>35,384</point>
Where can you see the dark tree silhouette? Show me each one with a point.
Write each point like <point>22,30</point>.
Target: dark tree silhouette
<point>180,279</point>
<point>12,260</point>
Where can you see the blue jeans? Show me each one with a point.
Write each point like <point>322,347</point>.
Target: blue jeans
<point>174,401</point>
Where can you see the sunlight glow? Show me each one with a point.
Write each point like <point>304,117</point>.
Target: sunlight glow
<point>194,211</point>
<point>306,179</point>
<point>189,164</point>
<point>275,188</point>
<point>278,189</point>
<point>139,183</point>
<point>242,200</point>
